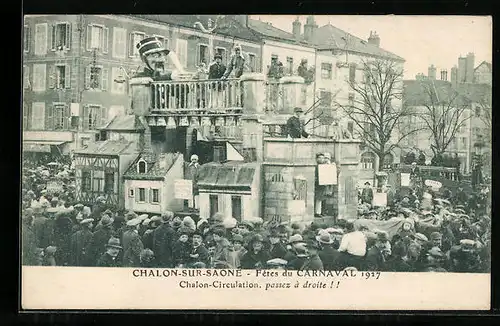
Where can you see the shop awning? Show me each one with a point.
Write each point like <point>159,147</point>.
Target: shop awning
<point>40,146</point>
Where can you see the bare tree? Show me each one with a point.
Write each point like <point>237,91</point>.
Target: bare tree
<point>443,113</point>
<point>371,109</point>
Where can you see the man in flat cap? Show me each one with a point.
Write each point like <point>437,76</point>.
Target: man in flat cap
<point>132,244</point>
<point>295,124</point>
<point>80,244</point>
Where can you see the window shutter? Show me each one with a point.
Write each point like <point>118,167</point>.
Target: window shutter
<point>52,76</point>
<point>103,116</point>
<point>26,77</point>
<point>105,38</point>
<point>159,195</point>
<point>89,37</point>
<point>146,194</point>
<point>68,36</point>
<point>105,79</point>
<point>137,194</point>
<point>150,195</point>
<point>87,77</point>
<point>67,77</point>
<point>131,45</point>
<point>54,37</point>
<point>49,123</point>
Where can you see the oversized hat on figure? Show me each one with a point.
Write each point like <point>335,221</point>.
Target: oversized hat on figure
<point>150,45</point>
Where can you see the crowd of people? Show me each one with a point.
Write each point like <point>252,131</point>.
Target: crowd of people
<point>420,232</point>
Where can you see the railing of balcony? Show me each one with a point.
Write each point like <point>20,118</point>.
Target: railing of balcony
<point>196,94</point>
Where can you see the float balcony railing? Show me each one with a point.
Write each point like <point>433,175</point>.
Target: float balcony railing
<point>196,94</point>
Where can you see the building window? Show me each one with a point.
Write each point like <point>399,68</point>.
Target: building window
<point>59,77</point>
<point>236,207</point>
<point>142,194</point>
<point>219,153</point>
<point>350,127</point>
<point>155,196</point>
<point>222,52</point>
<point>202,54</point>
<point>61,116</point>
<point>97,38</point>
<point>26,38</point>
<point>119,42</point>
<point>367,161</point>
<point>26,117</point>
<point>214,204</point>
<point>135,38</point>
<point>38,116</point>
<point>86,181</point>
<point>109,182</point>
<point>351,99</point>
<point>141,167</point>
<point>325,98</point>
<point>352,73</point>
<point>117,87</point>
<point>131,192</point>
<point>252,62</point>
<point>94,116</point>
<point>26,77</point>
<point>181,51</point>
<point>61,36</point>
<point>96,78</point>
<point>289,65</point>
<point>41,39</point>
<point>326,71</point>
<point>39,77</point>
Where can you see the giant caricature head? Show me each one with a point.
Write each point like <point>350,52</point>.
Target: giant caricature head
<point>153,54</point>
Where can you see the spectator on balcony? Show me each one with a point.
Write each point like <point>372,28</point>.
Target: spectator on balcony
<point>237,63</point>
<point>275,70</point>
<point>216,71</point>
<point>201,91</point>
<point>295,125</point>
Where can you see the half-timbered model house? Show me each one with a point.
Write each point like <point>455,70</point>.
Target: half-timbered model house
<point>149,183</point>
<point>98,170</point>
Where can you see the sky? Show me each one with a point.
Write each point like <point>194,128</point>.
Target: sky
<point>420,40</point>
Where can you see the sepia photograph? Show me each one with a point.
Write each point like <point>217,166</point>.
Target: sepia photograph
<point>256,161</point>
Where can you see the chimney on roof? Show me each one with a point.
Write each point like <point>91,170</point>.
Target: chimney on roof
<point>296,28</point>
<point>310,28</point>
<point>444,74</point>
<point>374,39</point>
<point>469,69</point>
<point>454,76</point>
<point>431,72</point>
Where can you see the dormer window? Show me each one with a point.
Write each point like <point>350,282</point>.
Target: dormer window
<point>142,166</point>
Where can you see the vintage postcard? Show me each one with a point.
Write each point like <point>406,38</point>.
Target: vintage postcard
<point>256,162</point>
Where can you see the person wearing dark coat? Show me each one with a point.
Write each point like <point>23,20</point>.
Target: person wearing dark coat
<point>310,260</point>
<point>294,125</point>
<point>181,248</point>
<point>80,244</point>
<point>100,238</point>
<point>42,228</point>
<point>367,194</point>
<point>110,258</point>
<point>198,252</point>
<point>62,237</point>
<point>375,259</point>
<point>236,63</point>
<point>147,237</point>
<point>217,69</point>
<point>163,239</point>
<point>276,249</point>
<point>132,244</point>
<point>329,256</point>
<point>28,241</point>
<point>256,257</point>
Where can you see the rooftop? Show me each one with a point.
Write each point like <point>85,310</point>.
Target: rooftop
<point>157,166</point>
<point>415,92</point>
<point>226,26</point>
<point>267,30</point>
<point>107,147</point>
<point>232,175</point>
<point>329,37</point>
<point>487,64</point>
<point>125,123</point>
